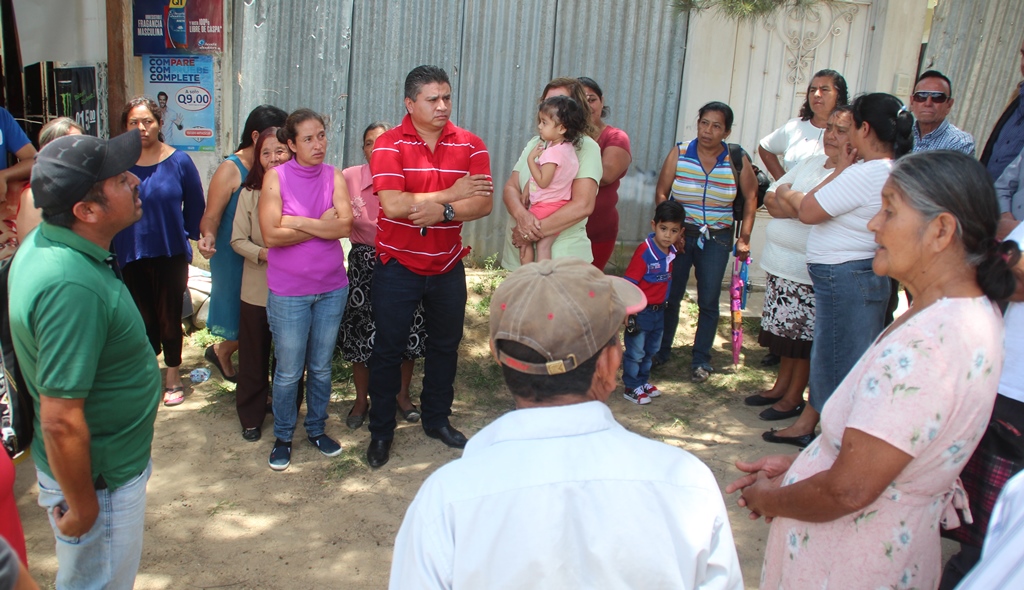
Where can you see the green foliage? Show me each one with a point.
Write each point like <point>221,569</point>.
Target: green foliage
<point>341,375</point>
<point>351,460</point>
<point>203,338</point>
<point>743,9</point>
<point>486,283</point>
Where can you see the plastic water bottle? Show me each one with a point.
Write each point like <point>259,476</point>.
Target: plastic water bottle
<point>199,375</point>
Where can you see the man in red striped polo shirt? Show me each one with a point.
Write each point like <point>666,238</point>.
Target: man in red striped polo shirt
<point>431,176</point>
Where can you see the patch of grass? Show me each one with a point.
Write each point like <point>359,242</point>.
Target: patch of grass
<point>341,377</point>
<point>203,338</point>
<point>649,417</point>
<point>692,311</point>
<point>480,377</point>
<point>219,506</point>
<point>220,399</point>
<point>348,462</point>
<point>486,282</point>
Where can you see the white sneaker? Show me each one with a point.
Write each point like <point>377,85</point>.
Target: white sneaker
<point>638,396</point>
<point>651,390</point>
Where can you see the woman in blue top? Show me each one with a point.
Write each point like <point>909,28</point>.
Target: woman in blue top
<point>154,253</point>
<point>215,229</point>
<point>700,176</point>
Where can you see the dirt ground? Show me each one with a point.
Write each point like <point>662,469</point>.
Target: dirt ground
<point>218,517</point>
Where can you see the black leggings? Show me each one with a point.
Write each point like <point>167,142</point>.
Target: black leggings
<point>158,287</point>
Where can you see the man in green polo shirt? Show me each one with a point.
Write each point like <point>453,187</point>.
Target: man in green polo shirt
<point>83,349</point>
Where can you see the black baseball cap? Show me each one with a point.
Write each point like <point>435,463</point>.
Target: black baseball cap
<point>67,167</point>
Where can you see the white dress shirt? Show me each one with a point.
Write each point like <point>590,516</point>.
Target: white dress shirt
<point>565,497</point>
<point>1011,383</point>
<point>1002,557</point>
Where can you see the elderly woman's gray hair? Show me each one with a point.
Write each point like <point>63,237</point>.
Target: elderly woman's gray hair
<point>58,127</point>
<point>942,181</point>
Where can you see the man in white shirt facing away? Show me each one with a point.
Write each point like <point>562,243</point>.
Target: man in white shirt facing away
<point>557,494</point>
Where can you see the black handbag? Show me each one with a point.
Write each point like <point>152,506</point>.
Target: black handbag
<point>17,412</point>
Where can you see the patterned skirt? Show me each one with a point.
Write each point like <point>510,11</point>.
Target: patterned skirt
<point>787,322</point>
<point>357,328</point>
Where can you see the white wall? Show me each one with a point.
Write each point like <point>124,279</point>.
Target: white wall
<point>62,30</point>
<point>880,40</point>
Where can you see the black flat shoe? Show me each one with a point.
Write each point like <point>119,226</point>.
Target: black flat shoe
<point>410,415</point>
<point>772,414</point>
<point>354,421</point>
<point>378,453</point>
<point>798,441</point>
<point>760,400</point>
<point>211,357</point>
<point>448,435</point>
<point>251,434</point>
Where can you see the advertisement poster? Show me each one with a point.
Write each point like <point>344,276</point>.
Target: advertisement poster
<point>76,96</point>
<point>178,26</point>
<point>183,87</point>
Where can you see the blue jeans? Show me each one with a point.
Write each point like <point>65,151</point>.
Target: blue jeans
<point>396,293</point>
<point>305,330</point>
<point>709,268</point>
<point>849,312</point>
<point>108,555</point>
<point>641,347</point>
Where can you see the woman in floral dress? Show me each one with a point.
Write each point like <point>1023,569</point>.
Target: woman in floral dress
<point>862,505</point>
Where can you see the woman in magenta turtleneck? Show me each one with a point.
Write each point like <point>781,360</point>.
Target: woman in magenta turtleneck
<point>304,210</point>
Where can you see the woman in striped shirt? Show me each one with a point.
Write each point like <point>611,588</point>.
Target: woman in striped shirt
<point>699,174</point>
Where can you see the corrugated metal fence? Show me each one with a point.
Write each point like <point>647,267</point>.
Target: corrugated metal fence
<point>349,59</point>
<point>976,44</point>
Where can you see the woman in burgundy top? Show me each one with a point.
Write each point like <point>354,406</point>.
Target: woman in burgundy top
<point>603,224</point>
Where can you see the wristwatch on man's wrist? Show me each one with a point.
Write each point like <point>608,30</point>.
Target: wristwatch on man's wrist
<point>449,212</point>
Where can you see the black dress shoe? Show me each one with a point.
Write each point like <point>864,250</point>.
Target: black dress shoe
<point>798,441</point>
<point>772,414</point>
<point>759,400</point>
<point>448,435</point>
<point>211,357</point>
<point>251,434</point>
<point>378,452</point>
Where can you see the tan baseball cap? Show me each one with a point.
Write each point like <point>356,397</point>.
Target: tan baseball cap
<point>564,309</point>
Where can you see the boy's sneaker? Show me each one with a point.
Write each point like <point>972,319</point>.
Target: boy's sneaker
<point>651,390</point>
<point>638,396</point>
<point>281,455</point>
<point>700,375</point>
<point>327,445</point>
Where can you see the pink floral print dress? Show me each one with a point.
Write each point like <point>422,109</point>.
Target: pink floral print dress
<point>927,388</point>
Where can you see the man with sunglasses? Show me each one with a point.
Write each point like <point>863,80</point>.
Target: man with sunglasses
<point>930,104</point>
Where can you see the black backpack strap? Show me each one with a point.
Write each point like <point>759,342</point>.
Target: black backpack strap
<point>736,157</point>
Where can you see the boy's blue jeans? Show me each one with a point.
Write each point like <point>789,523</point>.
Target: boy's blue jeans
<point>642,346</point>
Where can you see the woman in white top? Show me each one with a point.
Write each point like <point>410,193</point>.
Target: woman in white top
<point>801,137</point>
<point>849,298</point>
<point>787,322</point>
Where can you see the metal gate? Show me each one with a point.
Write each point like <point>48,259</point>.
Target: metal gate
<point>349,59</point>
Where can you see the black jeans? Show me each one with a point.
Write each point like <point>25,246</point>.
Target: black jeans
<point>396,293</point>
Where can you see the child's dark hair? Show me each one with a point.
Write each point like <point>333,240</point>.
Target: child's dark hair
<point>670,211</point>
<point>568,113</point>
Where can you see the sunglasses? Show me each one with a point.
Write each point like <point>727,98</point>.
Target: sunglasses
<point>937,97</point>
